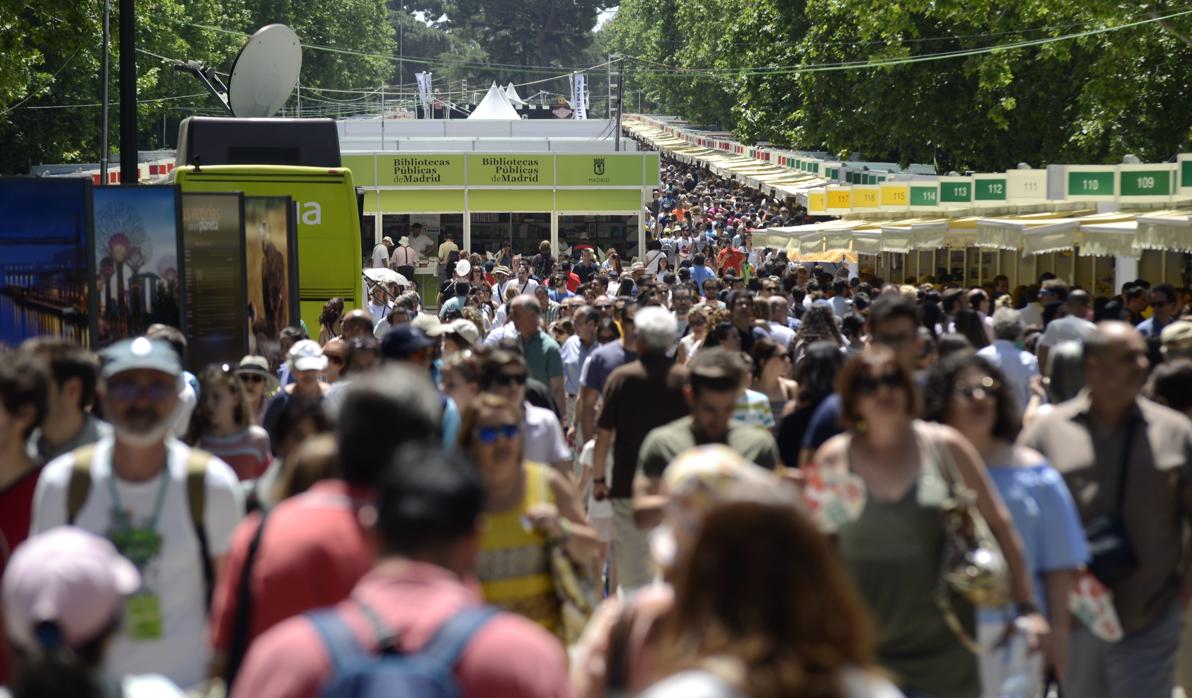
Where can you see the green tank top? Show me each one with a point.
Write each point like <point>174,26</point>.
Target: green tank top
<point>893,553</point>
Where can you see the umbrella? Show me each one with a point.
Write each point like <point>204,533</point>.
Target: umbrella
<point>381,275</point>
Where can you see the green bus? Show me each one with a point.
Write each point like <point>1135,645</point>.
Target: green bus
<point>325,207</point>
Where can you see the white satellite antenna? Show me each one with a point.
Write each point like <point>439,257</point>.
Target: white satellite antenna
<point>265,72</point>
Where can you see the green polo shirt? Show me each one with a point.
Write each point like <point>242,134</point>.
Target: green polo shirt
<point>667,442</point>
<point>543,359</point>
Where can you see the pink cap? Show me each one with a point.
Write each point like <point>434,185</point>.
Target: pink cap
<point>67,576</point>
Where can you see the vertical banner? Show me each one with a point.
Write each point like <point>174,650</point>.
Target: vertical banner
<point>424,93</point>
<point>213,257</point>
<point>271,260</point>
<point>579,99</point>
<point>136,258</point>
<point>45,281</point>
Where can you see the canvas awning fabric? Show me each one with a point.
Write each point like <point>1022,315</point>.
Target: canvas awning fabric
<point>1165,230</point>
<point>1108,239</point>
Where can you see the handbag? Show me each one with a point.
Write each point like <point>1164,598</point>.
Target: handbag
<point>575,592</point>
<point>1112,556</point>
<point>972,564</point>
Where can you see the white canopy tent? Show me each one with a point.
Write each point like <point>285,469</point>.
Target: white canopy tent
<point>495,105</point>
<point>512,96</point>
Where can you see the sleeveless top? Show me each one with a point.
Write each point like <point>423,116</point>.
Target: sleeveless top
<point>893,553</point>
<point>513,565</point>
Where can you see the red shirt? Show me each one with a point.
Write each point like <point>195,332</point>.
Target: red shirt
<point>312,553</point>
<point>730,258</point>
<point>16,510</point>
<point>509,657</point>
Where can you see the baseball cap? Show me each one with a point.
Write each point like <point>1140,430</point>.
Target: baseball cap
<point>306,355</point>
<point>140,353</point>
<point>464,328</point>
<point>403,340</point>
<point>68,577</point>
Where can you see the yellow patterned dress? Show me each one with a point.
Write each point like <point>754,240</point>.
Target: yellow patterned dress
<point>514,564</point>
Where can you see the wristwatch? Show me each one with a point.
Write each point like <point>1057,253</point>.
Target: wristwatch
<point>1025,608</point>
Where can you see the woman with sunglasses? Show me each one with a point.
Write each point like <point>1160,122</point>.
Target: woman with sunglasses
<point>222,424</point>
<point>607,330</point>
<point>259,383</point>
<point>530,507</point>
<point>970,395</point>
<point>893,546</point>
<point>697,321</point>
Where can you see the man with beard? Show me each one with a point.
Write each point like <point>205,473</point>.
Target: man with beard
<point>168,508</point>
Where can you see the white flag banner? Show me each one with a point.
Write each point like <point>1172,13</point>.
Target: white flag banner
<point>424,93</point>
<point>579,98</point>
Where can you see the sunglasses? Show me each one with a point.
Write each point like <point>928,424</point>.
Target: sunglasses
<point>605,338</point>
<point>981,390</point>
<point>869,385</point>
<point>490,435</point>
<point>510,379</point>
<point>127,392</point>
<point>247,377</point>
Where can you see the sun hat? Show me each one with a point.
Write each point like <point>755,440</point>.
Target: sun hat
<point>464,328</point>
<point>306,355</point>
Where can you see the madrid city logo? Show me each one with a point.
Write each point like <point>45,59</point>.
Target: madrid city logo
<point>598,166</point>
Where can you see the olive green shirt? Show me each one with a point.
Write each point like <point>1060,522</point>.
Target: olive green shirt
<point>667,442</point>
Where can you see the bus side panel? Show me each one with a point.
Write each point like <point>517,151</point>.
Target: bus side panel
<point>328,231</point>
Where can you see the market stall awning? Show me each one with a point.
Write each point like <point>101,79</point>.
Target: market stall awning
<point>1165,230</point>
<point>1108,239</point>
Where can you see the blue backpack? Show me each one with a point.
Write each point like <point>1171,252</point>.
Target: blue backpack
<point>430,673</point>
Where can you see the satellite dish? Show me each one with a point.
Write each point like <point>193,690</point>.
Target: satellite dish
<point>265,72</point>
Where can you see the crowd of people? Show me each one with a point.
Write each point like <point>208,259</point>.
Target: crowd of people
<point>703,470</point>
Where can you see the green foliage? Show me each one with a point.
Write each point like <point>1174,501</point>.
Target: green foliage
<point>1091,99</point>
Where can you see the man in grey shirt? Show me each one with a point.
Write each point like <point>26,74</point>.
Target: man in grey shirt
<point>73,373</point>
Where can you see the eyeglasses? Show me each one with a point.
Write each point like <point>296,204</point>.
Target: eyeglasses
<point>869,385</point>
<point>251,377</point>
<point>510,379</point>
<point>604,306</point>
<point>490,435</point>
<point>128,392</point>
<point>983,389</point>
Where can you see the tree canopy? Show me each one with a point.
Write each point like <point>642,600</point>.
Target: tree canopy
<point>744,65</point>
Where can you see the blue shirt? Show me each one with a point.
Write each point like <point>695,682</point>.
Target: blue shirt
<point>559,295</point>
<point>603,361</point>
<point>1150,328</point>
<point>700,274</point>
<point>574,355</point>
<point>1046,519</point>
<point>824,424</point>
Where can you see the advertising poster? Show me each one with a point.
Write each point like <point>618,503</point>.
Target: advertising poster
<point>44,239</point>
<point>271,253</point>
<point>138,278</point>
<point>213,259</point>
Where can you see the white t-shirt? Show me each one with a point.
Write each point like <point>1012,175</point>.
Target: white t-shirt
<point>1066,329</point>
<point>380,257</point>
<point>542,438</point>
<point>653,258</point>
<point>782,334</point>
<point>176,574</point>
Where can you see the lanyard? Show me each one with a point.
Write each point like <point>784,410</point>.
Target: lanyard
<point>161,498</point>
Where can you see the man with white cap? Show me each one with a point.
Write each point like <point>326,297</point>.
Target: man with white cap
<point>380,253</point>
<point>168,508</point>
<point>64,597</point>
<point>403,258</point>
